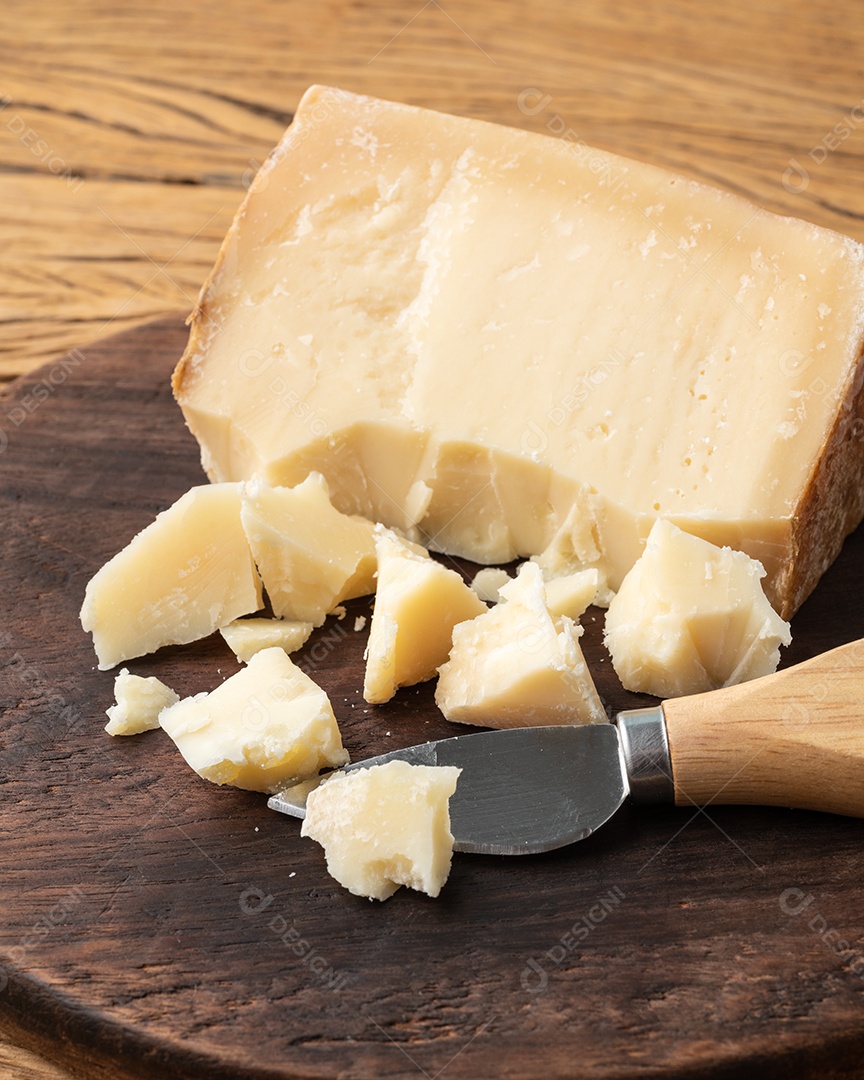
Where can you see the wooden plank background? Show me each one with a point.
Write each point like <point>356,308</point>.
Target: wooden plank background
<point>128,132</point>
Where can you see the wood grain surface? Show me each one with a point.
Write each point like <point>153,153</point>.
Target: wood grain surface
<point>155,925</point>
<point>128,133</point>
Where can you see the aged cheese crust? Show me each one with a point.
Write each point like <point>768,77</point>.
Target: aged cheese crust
<point>496,346</point>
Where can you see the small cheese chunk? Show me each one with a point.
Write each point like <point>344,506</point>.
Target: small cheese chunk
<point>517,665</point>
<point>691,617</point>
<point>417,603</point>
<point>488,581</point>
<point>245,637</point>
<point>573,594</point>
<point>310,556</point>
<point>139,701</point>
<point>385,826</point>
<point>188,573</point>
<point>263,727</point>
<point>472,330</point>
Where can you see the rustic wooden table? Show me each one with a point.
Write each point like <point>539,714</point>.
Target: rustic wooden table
<point>128,132</point>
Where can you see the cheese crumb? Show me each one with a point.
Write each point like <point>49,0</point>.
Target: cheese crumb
<point>139,701</point>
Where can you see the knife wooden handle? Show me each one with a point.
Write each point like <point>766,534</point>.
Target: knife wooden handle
<point>795,738</point>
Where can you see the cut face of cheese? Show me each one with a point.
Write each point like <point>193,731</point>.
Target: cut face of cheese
<point>516,665</point>
<point>473,332</point>
<point>181,578</point>
<point>263,727</point>
<point>245,637</point>
<point>309,555</point>
<point>417,603</point>
<point>691,617</point>
<point>573,594</point>
<point>385,826</point>
<point>138,702</point>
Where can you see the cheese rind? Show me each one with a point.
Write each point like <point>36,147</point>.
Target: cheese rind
<point>246,637</point>
<point>138,702</point>
<point>628,345</point>
<point>516,665</point>
<point>260,729</point>
<point>417,604</point>
<point>691,617</point>
<point>188,573</point>
<point>385,826</point>
<point>310,556</point>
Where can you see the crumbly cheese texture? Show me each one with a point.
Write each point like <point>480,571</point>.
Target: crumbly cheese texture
<point>310,556</point>
<point>188,573</point>
<point>417,603</point>
<point>691,617</point>
<point>138,702</point>
<point>517,665</point>
<point>477,334</point>
<point>245,637</point>
<point>385,826</point>
<point>260,729</point>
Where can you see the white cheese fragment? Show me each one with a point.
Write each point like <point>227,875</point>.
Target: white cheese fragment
<point>488,581</point>
<point>385,826</point>
<point>572,594</point>
<point>309,555</point>
<point>417,603</point>
<point>691,617</point>
<point>139,701</point>
<point>188,573</point>
<point>261,728</point>
<point>245,637</point>
<point>371,318</point>
<point>516,665</point>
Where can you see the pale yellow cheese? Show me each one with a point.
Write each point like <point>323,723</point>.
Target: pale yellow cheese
<point>417,603</point>
<point>691,617</point>
<point>572,594</point>
<point>385,826</point>
<point>517,665</point>
<point>309,555</point>
<point>245,637</point>
<point>476,333</point>
<point>260,729</point>
<point>188,573</point>
<point>488,581</point>
<point>138,702</point>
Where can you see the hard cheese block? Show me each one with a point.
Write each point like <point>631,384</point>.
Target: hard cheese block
<point>691,617</point>
<point>517,665</point>
<point>262,728</point>
<point>474,332</point>
<point>385,826</point>
<point>188,573</point>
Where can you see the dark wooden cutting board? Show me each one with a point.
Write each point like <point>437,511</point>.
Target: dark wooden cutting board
<point>156,925</point>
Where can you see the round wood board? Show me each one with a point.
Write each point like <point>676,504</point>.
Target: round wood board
<point>156,925</point>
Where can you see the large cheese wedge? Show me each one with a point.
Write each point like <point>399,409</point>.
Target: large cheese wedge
<point>310,556</point>
<point>260,729</point>
<point>473,331</point>
<point>517,665</point>
<point>385,826</point>
<point>417,603</point>
<point>188,573</point>
<point>691,617</point>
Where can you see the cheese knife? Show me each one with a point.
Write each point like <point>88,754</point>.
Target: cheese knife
<point>794,738</point>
